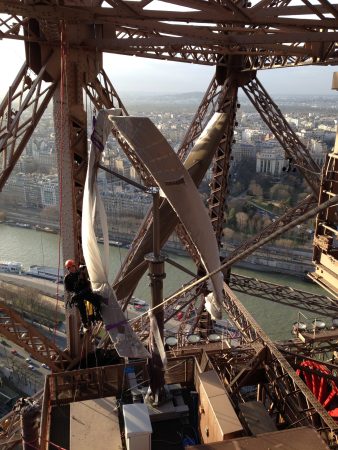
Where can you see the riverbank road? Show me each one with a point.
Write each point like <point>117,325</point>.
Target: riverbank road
<point>46,287</point>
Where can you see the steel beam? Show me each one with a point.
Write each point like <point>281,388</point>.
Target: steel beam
<point>13,27</point>
<point>296,352</point>
<point>295,150</point>
<point>20,112</point>
<point>288,391</point>
<point>269,233</point>
<point>198,282</point>
<point>227,12</point>
<point>70,122</point>
<point>207,107</point>
<point>285,295</point>
<point>103,95</point>
<point>188,37</point>
<point>18,331</point>
<point>219,186</point>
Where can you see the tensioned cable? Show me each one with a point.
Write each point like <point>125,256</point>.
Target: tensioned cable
<point>63,80</point>
<point>329,203</point>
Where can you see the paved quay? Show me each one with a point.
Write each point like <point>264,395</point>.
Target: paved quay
<point>43,286</point>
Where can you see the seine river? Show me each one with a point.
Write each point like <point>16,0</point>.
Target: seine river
<point>35,247</point>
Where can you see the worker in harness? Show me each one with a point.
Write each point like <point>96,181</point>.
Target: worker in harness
<point>77,284</point>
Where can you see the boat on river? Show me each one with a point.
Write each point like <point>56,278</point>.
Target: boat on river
<point>45,229</point>
<point>11,267</point>
<point>46,273</point>
<point>111,242</point>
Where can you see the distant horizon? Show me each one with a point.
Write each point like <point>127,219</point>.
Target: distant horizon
<point>134,75</point>
<point>144,93</point>
<point>197,92</point>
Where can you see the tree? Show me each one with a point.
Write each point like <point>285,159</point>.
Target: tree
<point>236,188</point>
<point>242,220</point>
<point>237,203</point>
<point>231,217</point>
<point>255,223</point>
<point>266,221</point>
<point>255,189</point>
<point>279,192</point>
<point>228,234</point>
<point>245,171</point>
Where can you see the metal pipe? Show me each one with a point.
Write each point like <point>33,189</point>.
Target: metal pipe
<point>156,274</point>
<point>333,201</point>
<point>123,178</point>
<point>156,217</point>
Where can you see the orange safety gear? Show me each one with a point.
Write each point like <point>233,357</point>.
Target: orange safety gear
<point>69,263</point>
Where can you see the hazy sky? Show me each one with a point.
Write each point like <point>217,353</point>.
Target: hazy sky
<point>134,74</point>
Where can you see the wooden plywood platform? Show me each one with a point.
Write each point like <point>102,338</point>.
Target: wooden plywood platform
<point>296,439</point>
<point>94,424</point>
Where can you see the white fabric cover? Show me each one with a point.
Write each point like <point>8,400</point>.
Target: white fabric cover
<point>125,340</point>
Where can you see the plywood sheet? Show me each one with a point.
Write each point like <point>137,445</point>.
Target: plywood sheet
<point>94,424</point>
<point>295,439</point>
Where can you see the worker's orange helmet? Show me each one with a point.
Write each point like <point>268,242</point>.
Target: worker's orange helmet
<point>69,263</point>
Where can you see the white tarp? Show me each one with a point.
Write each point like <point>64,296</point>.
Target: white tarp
<point>125,340</point>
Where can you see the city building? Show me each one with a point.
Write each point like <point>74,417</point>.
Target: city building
<point>270,161</point>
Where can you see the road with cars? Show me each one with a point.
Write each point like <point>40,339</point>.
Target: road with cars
<point>21,368</point>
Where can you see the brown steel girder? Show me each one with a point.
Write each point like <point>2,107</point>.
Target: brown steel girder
<point>296,352</point>
<point>258,33</point>
<point>187,57</point>
<point>295,298</point>
<point>29,98</point>
<point>263,13</point>
<point>306,301</point>
<point>18,331</point>
<point>294,149</point>
<point>103,95</point>
<point>290,394</point>
<point>206,108</point>
<point>219,184</point>
<point>297,211</point>
<point>268,233</point>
